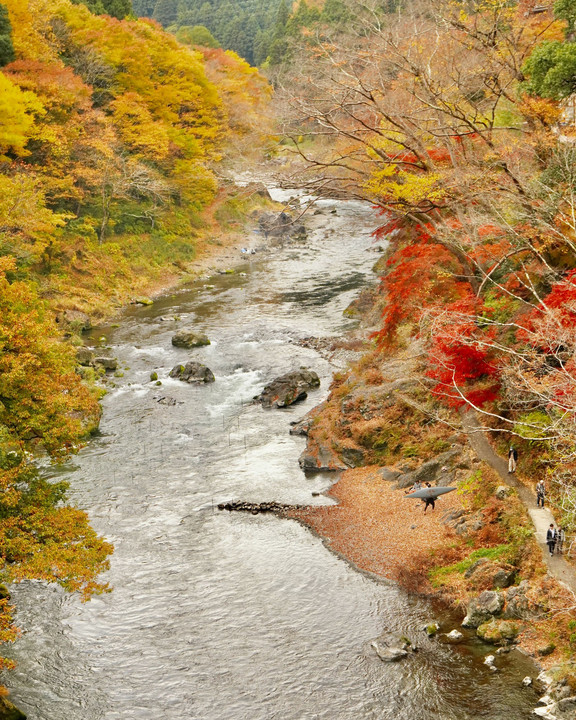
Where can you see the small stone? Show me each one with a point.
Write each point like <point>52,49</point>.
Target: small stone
<point>454,636</point>
<point>502,492</point>
<point>153,376</point>
<point>143,301</point>
<point>431,629</point>
<point>527,681</point>
<point>158,382</point>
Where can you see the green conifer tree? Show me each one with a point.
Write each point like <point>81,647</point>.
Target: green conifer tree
<point>6,47</point>
<point>166,12</point>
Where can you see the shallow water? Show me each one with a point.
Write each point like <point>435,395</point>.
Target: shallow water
<point>218,616</point>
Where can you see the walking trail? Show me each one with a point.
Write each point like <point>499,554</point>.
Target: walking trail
<point>558,567</point>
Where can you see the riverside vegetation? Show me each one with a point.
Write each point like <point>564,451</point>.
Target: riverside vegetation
<point>452,119</point>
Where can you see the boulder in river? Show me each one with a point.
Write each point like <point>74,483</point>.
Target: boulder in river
<point>389,654</point>
<point>287,389</point>
<point>109,364</point>
<point>192,372</point>
<point>189,339</point>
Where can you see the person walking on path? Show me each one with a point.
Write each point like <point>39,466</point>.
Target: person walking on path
<point>512,459</point>
<point>540,493</point>
<point>560,537</point>
<point>551,539</point>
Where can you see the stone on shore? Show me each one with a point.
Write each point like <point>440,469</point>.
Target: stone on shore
<point>287,389</point>
<point>192,372</point>
<point>189,339</point>
<point>498,632</point>
<point>85,357</point>
<point>74,320</point>
<point>482,608</point>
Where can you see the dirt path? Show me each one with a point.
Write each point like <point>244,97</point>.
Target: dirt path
<point>558,567</point>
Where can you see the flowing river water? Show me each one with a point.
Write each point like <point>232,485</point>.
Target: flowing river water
<point>229,616</point>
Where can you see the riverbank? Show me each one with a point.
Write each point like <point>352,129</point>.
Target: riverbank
<point>477,545</point>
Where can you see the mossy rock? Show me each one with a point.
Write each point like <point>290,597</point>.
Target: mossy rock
<point>546,650</point>
<point>431,629</point>
<point>143,301</point>
<point>153,376</point>
<point>498,632</point>
<point>190,339</point>
<point>9,711</point>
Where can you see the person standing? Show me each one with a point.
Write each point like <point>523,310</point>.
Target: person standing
<point>540,493</point>
<point>551,539</point>
<point>512,459</point>
<point>560,537</point>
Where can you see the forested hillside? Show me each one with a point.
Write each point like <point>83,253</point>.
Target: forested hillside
<point>111,133</point>
<point>261,31</point>
<point>453,124</point>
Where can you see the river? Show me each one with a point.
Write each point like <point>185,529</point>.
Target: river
<point>228,616</point>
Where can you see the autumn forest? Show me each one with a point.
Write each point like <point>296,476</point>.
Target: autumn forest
<point>119,136</point>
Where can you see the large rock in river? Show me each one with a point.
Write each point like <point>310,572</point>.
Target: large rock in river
<point>192,372</point>
<point>288,388</point>
<point>189,339</point>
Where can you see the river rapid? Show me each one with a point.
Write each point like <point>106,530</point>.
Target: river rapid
<point>229,616</point>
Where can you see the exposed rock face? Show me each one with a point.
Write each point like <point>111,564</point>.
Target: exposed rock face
<point>320,456</point>
<point>189,339</point>
<point>74,320</point>
<point>517,603</point>
<point>502,492</point>
<point>288,388</point>
<point>109,364</point>
<point>430,471</point>
<point>486,574</point>
<point>389,475</point>
<point>498,632</point>
<point>302,427</point>
<point>192,372</point>
<point>281,225</point>
<point>482,608</point>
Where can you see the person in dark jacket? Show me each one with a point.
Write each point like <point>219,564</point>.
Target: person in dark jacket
<point>512,459</point>
<point>540,493</point>
<point>551,539</point>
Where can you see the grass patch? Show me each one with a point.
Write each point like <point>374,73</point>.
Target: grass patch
<point>439,576</point>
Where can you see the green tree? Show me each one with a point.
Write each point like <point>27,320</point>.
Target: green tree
<point>6,47</point>
<point>166,12</point>
<point>197,35</point>
<point>551,70</point>
<point>115,8</point>
<point>566,10</point>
